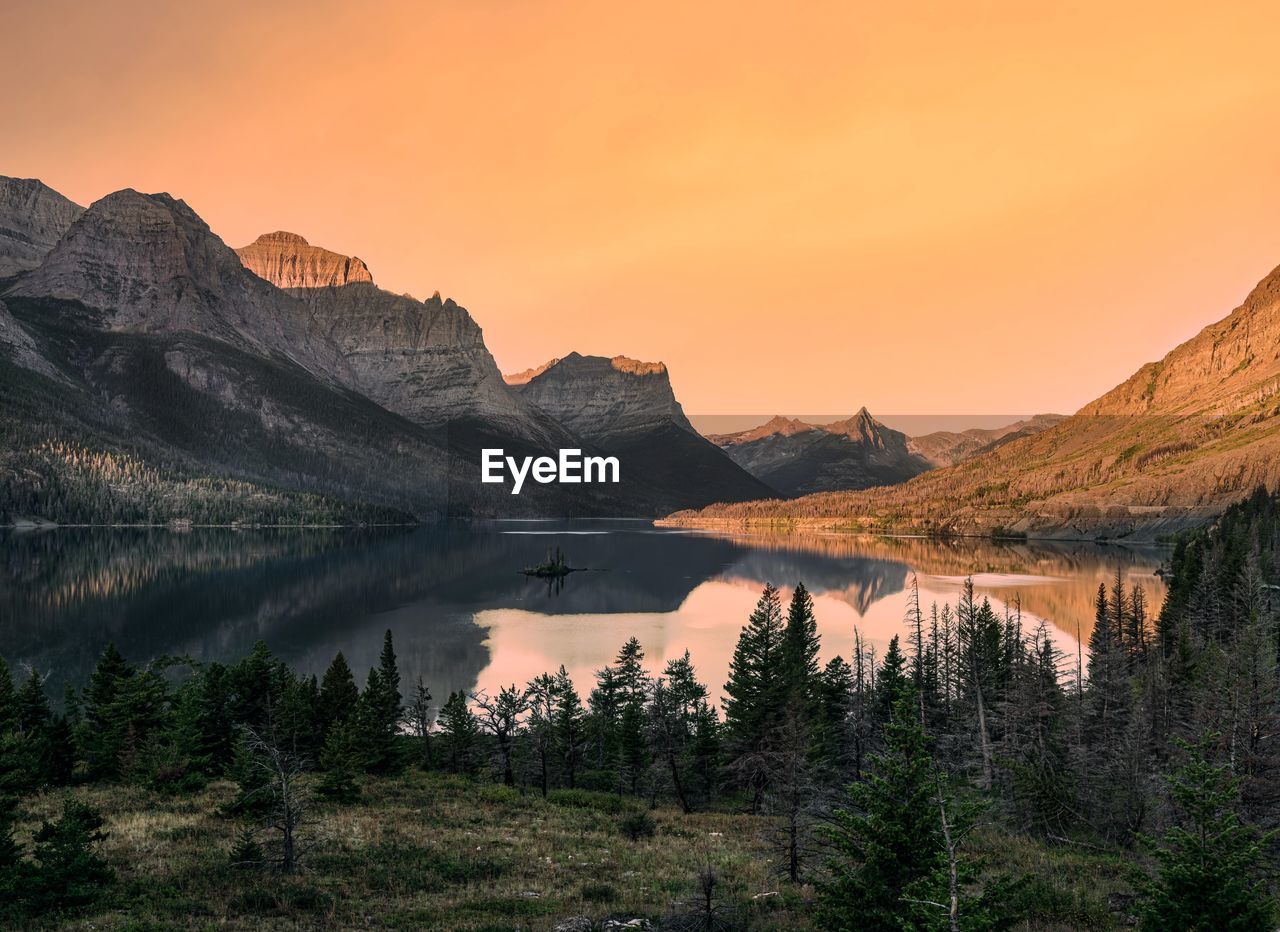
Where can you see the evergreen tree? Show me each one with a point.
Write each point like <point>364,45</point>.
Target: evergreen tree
<point>798,656</point>
<point>888,839</point>
<point>540,695</point>
<point>755,693</point>
<point>379,713</point>
<point>892,683</point>
<point>13,870</point>
<point>339,695</point>
<point>102,734</point>
<point>341,761</point>
<point>569,724</point>
<point>8,700</point>
<point>33,705</point>
<point>1114,766</point>
<point>460,735</point>
<point>67,872</point>
<point>831,747</point>
<point>1208,863</point>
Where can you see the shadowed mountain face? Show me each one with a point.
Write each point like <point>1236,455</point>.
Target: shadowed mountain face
<point>628,409</point>
<point>150,373</point>
<point>798,458</point>
<point>33,218</point>
<point>1170,447</point>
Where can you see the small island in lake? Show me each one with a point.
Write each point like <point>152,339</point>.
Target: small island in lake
<point>553,567</point>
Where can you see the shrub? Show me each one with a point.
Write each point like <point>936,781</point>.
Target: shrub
<point>638,825</point>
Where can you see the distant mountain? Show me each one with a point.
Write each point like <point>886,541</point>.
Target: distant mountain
<point>798,458</point>
<point>523,377</point>
<point>947,447</point>
<point>33,218</point>
<point>1171,446</point>
<point>628,408</point>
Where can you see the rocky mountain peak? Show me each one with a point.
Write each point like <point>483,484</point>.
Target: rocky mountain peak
<point>287,260</point>
<point>595,396</point>
<point>33,218</point>
<point>864,428</point>
<point>152,265</point>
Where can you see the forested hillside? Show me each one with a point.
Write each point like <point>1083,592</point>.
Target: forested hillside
<point>971,776</point>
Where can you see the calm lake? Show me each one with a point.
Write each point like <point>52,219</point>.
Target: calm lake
<point>465,618</point>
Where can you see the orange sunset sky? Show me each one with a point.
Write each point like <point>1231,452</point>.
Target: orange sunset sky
<point>923,208</point>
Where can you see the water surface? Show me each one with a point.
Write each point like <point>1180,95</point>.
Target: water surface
<point>463,617</point>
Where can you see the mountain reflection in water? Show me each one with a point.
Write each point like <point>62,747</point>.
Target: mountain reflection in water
<point>464,617</point>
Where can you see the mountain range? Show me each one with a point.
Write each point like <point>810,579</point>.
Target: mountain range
<point>1171,446</point>
<point>149,372</point>
<point>797,458</point>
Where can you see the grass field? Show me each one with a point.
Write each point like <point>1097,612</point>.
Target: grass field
<point>426,851</point>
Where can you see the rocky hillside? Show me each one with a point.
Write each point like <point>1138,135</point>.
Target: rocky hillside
<point>33,218</point>
<point>1175,444</point>
<point>628,408</point>
<point>148,372</point>
<point>798,458</point>
<point>425,360</point>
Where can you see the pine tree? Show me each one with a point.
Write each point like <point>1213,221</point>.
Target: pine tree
<point>831,746</point>
<point>892,682</point>
<point>67,872</point>
<point>889,837</point>
<point>1208,863</point>
<point>341,761</point>
<point>981,670</point>
<point>8,700</point>
<point>379,713</point>
<point>756,693</point>
<point>339,694</point>
<point>798,657</point>
<point>14,872</point>
<point>1113,772</point>
<point>102,734</point>
<point>460,735</point>
<point>569,724</point>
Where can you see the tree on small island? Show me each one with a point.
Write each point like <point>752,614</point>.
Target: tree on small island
<point>554,565</point>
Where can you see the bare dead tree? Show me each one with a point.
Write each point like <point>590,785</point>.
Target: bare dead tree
<point>419,719</point>
<point>501,717</point>
<point>289,799</point>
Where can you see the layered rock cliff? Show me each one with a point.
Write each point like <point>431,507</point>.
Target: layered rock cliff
<point>425,360</point>
<point>289,261</point>
<point>598,398</point>
<point>33,218</point>
<point>628,408</point>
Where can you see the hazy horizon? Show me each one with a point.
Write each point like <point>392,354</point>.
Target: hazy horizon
<point>913,425</point>
<point>903,206</point>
